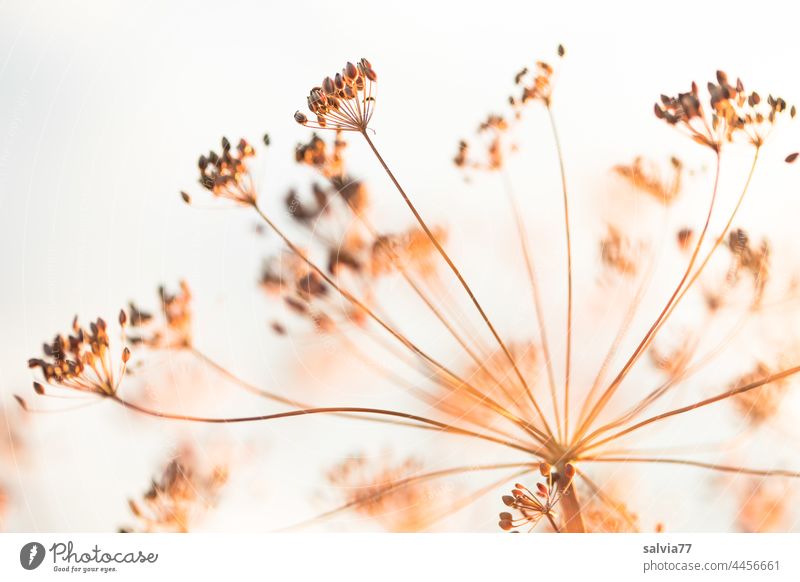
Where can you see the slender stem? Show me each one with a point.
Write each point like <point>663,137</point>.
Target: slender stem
<point>461,280</point>
<point>553,523</point>
<point>323,410</point>
<point>266,394</point>
<point>721,237</point>
<point>724,395</point>
<point>573,519</point>
<point>648,337</point>
<point>568,362</point>
<point>242,383</point>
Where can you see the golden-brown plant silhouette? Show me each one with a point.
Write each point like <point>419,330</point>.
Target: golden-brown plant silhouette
<point>507,394</point>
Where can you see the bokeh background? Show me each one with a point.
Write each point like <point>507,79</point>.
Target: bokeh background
<point>105,106</point>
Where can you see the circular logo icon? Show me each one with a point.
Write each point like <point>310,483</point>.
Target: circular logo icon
<point>31,555</point>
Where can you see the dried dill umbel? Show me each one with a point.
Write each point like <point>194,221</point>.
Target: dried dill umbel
<point>370,487</point>
<point>544,431</point>
<point>180,496</point>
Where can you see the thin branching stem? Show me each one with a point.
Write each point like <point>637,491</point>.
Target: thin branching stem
<point>461,280</point>
<point>586,444</point>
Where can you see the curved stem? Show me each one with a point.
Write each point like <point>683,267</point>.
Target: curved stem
<point>573,518</point>
<point>533,431</point>
<point>461,280</point>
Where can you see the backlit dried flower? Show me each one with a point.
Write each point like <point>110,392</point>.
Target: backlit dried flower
<point>344,102</point>
<point>609,516</point>
<point>181,496</point>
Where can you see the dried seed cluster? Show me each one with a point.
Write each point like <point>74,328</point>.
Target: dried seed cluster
<point>81,361</point>
<point>226,175</point>
<point>731,111</point>
<point>343,102</point>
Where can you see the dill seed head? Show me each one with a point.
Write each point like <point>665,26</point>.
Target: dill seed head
<point>344,102</point>
<point>180,496</point>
